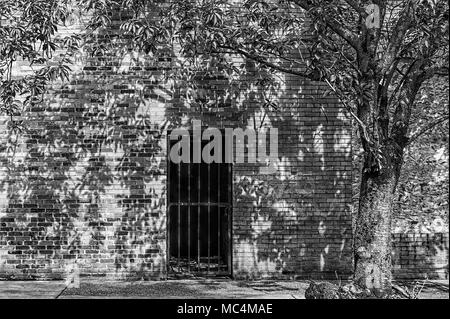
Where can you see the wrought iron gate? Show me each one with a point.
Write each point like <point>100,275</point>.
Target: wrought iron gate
<point>199,217</point>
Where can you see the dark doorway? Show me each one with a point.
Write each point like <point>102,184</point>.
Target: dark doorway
<point>199,216</point>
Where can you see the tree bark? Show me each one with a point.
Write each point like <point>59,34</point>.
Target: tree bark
<point>372,242</point>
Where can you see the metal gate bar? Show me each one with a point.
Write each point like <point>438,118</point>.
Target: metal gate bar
<point>218,218</point>
<point>179,213</point>
<point>198,219</point>
<point>209,217</point>
<point>230,221</point>
<point>189,217</point>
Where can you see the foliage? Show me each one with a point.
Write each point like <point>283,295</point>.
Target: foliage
<point>422,201</point>
<point>373,71</point>
<point>29,38</point>
<point>376,72</point>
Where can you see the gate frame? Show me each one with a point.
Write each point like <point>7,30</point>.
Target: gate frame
<point>229,272</point>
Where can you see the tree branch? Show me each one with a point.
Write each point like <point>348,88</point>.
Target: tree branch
<point>439,71</point>
<point>400,29</point>
<point>429,126</point>
<point>269,64</point>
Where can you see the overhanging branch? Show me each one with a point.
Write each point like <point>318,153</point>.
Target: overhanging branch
<point>437,71</point>
<point>426,128</point>
<point>272,65</point>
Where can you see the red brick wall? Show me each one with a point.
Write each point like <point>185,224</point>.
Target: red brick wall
<point>85,183</point>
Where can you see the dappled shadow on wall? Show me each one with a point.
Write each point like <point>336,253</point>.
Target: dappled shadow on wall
<point>418,255</point>
<point>300,223</point>
<point>84,183</point>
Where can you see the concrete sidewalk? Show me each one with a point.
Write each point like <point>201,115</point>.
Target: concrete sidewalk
<point>175,289</point>
<point>30,289</point>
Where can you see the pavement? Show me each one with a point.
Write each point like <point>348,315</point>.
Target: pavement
<point>30,289</point>
<point>176,289</point>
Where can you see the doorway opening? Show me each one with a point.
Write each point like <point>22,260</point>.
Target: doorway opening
<point>199,216</point>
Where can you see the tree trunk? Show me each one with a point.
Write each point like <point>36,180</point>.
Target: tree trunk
<point>372,244</point>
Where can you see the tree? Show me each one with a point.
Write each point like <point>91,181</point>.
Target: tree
<point>374,56</point>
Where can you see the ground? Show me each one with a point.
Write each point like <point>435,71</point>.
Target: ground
<point>192,288</point>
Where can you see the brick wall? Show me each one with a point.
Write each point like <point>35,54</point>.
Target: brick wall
<point>420,256</point>
<point>301,225</point>
<point>85,183</point>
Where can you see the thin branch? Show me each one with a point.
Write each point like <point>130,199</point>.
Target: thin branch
<point>401,82</point>
<point>349,109</point>
<point>437,71</point>
<point>426,128</point>
<point>269,64</point>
